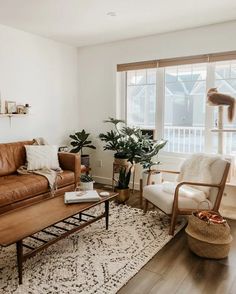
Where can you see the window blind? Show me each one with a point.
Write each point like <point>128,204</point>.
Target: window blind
<point>213,57</point>
<point>137,65</point>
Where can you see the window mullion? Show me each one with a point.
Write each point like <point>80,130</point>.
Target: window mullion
<point>160,102</point>
<point>210,82</point>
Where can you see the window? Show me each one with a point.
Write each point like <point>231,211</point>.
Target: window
<point>225,81</point>
<point>141,98</point>
<point>185,88</point>
<point>179,94</point>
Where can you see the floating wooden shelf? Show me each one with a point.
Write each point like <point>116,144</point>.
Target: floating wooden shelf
<point>12,115</point>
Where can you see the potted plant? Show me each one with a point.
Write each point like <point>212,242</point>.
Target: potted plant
<point>122,185</point>
<point>127,142</point>
<point>131,146</point>
<point>86,182</point>
<point>147,163</point>
<point>80,141</point>
<point>113,140</point>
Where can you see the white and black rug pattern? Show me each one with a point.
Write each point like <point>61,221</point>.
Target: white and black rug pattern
<point>94,260</point>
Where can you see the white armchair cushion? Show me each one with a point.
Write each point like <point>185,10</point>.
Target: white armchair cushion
<point>164,200</point>
<point>184,191</point>
<point>42,156</point>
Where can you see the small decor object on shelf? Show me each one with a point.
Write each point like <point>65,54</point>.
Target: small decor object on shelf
<point>10,107</point>
<point>20,109</point>
<point>26,108</point>
<point>86,182</point>
<point>80,141</point>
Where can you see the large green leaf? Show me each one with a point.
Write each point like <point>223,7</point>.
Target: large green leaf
<point>80,141</point>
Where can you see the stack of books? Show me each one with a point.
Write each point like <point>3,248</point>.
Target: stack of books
<point>81,196</point>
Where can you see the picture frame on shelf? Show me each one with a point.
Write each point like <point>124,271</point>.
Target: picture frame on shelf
<point>20,109</point>
<point>10,107</point>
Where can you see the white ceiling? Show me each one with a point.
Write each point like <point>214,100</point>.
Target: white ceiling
<point>85,22</point>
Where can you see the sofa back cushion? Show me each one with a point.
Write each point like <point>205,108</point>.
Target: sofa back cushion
<point>42,156</point>
<point>12,156</point>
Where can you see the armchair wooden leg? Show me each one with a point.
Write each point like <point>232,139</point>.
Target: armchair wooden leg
<point>145,205</point>
<point>141,193</point>
<point>172,224</point>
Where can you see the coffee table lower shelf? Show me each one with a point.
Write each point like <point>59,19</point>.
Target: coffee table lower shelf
<point>21,257</point>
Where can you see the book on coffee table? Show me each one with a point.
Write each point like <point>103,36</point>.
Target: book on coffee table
<point>81,196</point>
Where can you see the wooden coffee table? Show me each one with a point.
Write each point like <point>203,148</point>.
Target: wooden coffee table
<point>22,223</point>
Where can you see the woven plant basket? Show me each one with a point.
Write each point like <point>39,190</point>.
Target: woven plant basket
<point>208,239</point>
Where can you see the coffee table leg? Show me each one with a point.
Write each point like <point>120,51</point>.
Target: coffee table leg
<point>19,250</point>
<point>107,213</point>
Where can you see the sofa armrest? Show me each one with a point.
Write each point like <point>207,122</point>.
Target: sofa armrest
<point>71,161</point>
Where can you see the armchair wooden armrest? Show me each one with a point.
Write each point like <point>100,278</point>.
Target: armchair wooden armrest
<point>197,184</point>
<point>175,209</point>
<point>193,184</point>
<point>176,195</point>
<point>71,161</point>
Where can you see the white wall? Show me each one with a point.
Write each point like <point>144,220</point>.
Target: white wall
<point>97,75</point>
<point>44,74</point>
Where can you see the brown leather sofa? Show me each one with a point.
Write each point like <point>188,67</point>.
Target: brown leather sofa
<point>20,190</point>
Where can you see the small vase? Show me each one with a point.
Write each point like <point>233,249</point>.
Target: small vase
<point>123,195</point>
<point>85,186</point>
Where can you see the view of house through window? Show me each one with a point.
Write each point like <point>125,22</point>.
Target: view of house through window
<point>183,93</point>
<point>185,88</point>
<point>141,98</point>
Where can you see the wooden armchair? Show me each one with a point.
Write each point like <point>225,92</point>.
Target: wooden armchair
<point>174,205</point>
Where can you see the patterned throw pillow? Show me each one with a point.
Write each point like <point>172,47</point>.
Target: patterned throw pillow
<point>42,156</point>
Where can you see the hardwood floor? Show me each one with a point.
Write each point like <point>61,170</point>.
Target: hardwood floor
<point>174,269</point>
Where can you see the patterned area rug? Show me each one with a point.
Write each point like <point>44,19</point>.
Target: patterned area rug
<point>94,260</point>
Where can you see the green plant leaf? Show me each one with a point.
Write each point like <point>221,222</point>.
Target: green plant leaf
<point>80,141</point>
<point>114,121</point>
<point>73,137</point>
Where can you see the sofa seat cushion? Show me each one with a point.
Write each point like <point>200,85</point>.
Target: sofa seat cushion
<point>16,187</point>
<point>67,177</point>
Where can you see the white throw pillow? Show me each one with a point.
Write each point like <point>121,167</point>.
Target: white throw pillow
<point>41,156</point>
